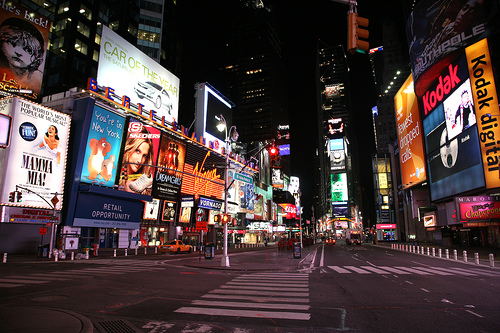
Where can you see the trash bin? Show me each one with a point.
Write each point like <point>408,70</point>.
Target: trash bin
<point>209,251</point>
<point>297,250</point>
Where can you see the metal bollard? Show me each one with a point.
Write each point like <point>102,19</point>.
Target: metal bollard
<point>156,249</point>
<point>135,251</point>
<point>114,253</point>
<point>145,250</point>
<point>428,251</point>
<point>56,256</point>
<point>476,258</point>
<point>433,251</point>
<point>455,254</point>
<point>87,253</point>
<point>492,260</point>
<point>447,253</point>
<point>465,256</point>
<point>440,253</point>
<point>72,255</point>
<point>5,257</point>
<point>126,250</point>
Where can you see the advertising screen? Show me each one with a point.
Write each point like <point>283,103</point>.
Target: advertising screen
<point>451,137</point>
<point>132,73</point>
<point>36,157</point>
<point>410,138</point>
<point>102,153</point>
<point>139,158</point>
<point>339,187</point>
<point>335,128</point>
<point>168,177</point>
<point>210,105</point>
<point>437,28</point>
<point>340,209</point>
<point>22,55</point>
<point>485,208</point>
<point>203,172</point>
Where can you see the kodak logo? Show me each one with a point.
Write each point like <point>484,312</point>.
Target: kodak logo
<point>443,88</point>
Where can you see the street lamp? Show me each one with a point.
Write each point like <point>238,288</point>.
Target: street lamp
<point>222,126</point>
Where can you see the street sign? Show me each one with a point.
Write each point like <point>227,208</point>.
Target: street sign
<point>242,177</point>
<point>43,231</point>
<point>54,200</point>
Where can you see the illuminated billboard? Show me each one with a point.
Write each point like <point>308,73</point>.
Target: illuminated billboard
<point>139,157</point>
<point>132,73</point>
<point>24,36</point>
<point>451,137</point>
<point>36,157</point>
<point>410,138</point>
<point>102,153</point>
<point>484,93</point>
<point>335,128</point>
<point>203,173</point>
<point>210,104</point>
<point>481,208</point>
<point>168,177</point>
<point>437,28</point>
<point>339,187</point>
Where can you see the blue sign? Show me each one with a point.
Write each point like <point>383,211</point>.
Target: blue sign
<point>209,203</point>
<point>106,212</point>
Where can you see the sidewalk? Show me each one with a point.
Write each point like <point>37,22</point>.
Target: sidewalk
<point>434,250</point>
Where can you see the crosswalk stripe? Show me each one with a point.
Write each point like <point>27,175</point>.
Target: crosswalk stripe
<point>252,292</point>
<point>375,270</point>
<point>10,285</point>
<point>245,313</point>
<point>240,287</point>
<point>45,277</point>
<point>478,271</point>
<point>340,269</point>
<point>23,281</point>
<point>357,270</point>
<point>413,270</point>
<point>258,299</point>
<point>394,270</point>
<point>267,284</point>
<point>455,270</point>
<point>253,305</point>
<point>434,271</point>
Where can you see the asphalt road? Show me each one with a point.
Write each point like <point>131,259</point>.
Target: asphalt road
<point>330,288</point>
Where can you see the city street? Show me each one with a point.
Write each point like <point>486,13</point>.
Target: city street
<point>364,288</point>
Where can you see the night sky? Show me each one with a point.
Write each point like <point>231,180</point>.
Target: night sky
<point>306,25</point>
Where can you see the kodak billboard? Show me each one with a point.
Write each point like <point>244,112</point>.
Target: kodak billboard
<point>484,92</point>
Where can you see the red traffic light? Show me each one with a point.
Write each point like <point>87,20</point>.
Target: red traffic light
<point>225,218</point>
<point>273,151</point>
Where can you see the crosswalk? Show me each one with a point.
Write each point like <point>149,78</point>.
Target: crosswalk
<point>125,267</point>
<point>417,270</point>
<point>260,295</point>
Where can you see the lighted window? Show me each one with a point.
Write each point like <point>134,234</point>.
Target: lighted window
<point>87,13</point>
<point>80,47</point>
<point>83,29</point>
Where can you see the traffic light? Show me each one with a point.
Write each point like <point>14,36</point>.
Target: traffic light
<point>11,196</point>
<point>225,218</point>
<point>217,218</point>
<point>274,154</point>
<point>19,196</point>
<point>354,32</point>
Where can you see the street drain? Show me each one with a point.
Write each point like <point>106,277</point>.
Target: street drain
<point>115,326</point>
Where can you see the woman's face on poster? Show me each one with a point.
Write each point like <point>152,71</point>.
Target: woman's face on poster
<point>17,54</point>
<point>138,156</point>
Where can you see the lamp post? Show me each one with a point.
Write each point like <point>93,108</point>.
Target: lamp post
<point>223,126</point>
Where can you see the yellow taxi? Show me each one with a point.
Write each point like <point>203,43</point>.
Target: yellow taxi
<point>175,246</point>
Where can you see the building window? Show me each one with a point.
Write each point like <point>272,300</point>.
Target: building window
<point>95,57</point>
<point>148,36</point>
<point>87,13</point>
<point>114,25</point>
<point>80,47</point>
<point>83,29</point>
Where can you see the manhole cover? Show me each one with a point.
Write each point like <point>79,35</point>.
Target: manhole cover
<point>50,298</point>
<point>115,326</point>
<point>124,292</point>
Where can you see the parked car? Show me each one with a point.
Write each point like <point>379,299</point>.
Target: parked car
<point>175,246</point>
<point>154,93</point>
<point>331,241</point>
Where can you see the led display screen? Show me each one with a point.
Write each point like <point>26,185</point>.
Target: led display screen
<point>335,128</point>
<point>451,138</point>
<point>339,187</point>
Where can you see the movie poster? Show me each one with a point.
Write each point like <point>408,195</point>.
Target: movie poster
<point>24,37</point>
<point>36,157</point>
<point>168,176</point>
